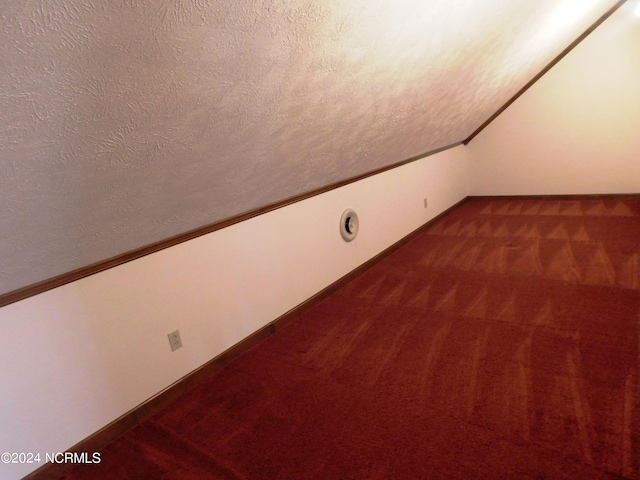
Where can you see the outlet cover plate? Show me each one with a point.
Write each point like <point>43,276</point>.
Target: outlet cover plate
<point>174,340</point>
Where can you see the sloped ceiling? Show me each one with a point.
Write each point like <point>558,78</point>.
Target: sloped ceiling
<point>127,122</point>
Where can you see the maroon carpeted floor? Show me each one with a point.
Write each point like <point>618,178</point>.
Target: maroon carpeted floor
<point>500,343</point>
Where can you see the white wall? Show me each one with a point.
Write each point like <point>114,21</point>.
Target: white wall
<point>577,130</point>
<point>77,357</point>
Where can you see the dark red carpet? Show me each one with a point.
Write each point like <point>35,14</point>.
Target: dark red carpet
<point>500,343</point>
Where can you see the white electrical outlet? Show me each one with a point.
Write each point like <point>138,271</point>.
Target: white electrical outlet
<point>174,340</point>
<point>425,203</point>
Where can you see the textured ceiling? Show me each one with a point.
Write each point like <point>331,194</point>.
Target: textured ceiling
<point>123,123</point>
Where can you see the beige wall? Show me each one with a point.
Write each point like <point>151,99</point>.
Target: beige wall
<point>83,354</point>
<point>577,130</point>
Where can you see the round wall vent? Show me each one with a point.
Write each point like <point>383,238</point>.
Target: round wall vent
<point>349,225</point>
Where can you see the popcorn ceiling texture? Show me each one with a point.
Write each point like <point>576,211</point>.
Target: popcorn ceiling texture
<point>123,123</point>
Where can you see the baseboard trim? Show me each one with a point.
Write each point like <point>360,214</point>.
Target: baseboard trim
<point>568,196</point>
<point>134,417</point>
